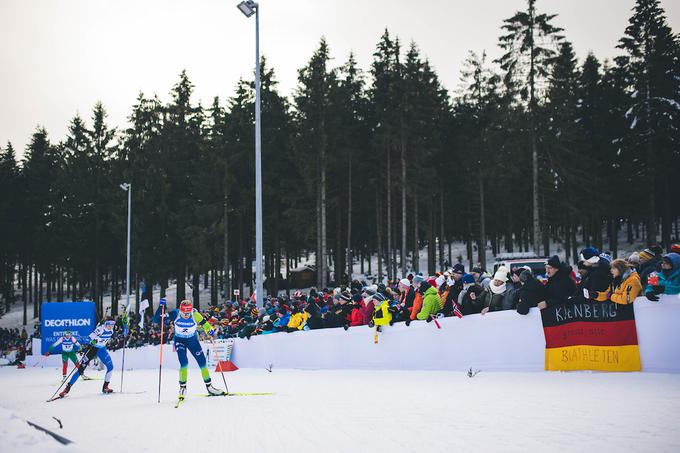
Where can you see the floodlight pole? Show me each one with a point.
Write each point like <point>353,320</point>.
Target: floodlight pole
<point>248,8</point>
<point>127,281</point>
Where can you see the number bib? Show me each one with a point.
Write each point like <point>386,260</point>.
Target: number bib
<point>185,328</point>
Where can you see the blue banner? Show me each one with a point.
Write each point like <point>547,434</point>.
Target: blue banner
<point>58,317</point>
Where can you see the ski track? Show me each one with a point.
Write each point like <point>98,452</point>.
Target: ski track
<point>342,411</point>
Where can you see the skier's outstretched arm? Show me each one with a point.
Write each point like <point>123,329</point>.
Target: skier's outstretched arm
<point>205,325</point>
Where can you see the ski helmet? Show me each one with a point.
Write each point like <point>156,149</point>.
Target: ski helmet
<point>186,307</point>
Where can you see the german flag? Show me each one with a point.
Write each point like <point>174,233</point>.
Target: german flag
<point>590,335</point>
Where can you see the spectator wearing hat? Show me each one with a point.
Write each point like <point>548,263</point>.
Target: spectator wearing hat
<point>513,286</point>
<point>560,286</point>
<point>382,315</point>
<point>281,324</point>
<point>357,312</point>
<point>481,277</point>
<point>471,303</point>
<point>298,320</point>
<point>597,278</point>
<point>432,303</point>
<point>313,310</point>
<point>266,326</point>
<point>454,286</point>
<point>531,292</point>
<point>418,280</point>
<point>493,295</point>
<point>625,285</point>
<point>338,314</point>
<point>669,278</point>
<point>650,261</point>
<point>634,260</point>
<point>407,295</point>
<point>467,280</point>
<point>248,328</point>
<point>369,292</point>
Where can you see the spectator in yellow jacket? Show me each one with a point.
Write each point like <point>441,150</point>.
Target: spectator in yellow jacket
<point>382,315</point>
<point>297,320</point>
<point>626,284</point>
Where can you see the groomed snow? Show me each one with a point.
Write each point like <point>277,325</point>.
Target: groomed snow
<point>343,411</point>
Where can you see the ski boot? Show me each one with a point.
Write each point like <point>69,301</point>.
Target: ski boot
<point>64,392</point>
<point>182,392</point>
<point>106,389</point>
<point>212,391</point>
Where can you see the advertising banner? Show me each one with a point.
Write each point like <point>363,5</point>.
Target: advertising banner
<point>58,317</point>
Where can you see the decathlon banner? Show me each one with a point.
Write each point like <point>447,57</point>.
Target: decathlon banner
<point>58,317</point>
<point>591,336</point>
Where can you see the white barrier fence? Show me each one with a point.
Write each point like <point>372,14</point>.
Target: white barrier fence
<point>504,341</point>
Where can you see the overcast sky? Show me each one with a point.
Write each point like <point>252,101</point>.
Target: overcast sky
<point>59,57</point>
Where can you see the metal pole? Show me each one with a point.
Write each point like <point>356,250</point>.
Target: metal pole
<point>258,167</point>
<point>127,283</point>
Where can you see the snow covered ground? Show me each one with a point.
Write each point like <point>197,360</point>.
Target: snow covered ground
<point>343,411</point>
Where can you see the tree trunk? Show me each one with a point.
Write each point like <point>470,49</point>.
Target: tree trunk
<point>389,213</point>
<point>629,231</point>
<point>416,235</point>
<point>349,223</point>
<point>181,282</point>
<point>441,227</point>
<point>666,225</point>
<point>196,289</point>
<point>378,236</point>
<point>403,203</point>
<point>481,240</point>
<point>431,243</point>
<point>35,291</point>
<point>574,245</point>
<point>225,258</point>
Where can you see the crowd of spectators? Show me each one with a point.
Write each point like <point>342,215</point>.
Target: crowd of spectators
<point>418,297</point>
<point>454,292</point>
<point>14,343</point>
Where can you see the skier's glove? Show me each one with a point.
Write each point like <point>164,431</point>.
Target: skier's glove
<point>653,297</point>
<point>211,332</point>
<point>47,354</point>
<point>163,302</point>
<point>371,324</point>
<point>592,294</point>
<point>429,319</point>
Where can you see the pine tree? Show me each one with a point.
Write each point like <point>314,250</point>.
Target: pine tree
<point>311,104</point>
<point>651,63</point>
<point>528,43</point>
<point>10,205</point>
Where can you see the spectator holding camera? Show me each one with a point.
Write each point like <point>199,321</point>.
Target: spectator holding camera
<point>668,278</point>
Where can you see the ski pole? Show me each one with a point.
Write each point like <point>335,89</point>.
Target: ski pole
<point>40,362</point>
<point>160,364</point>
<point>226,387</point>
<point>125,326</point>
<point>122,366</point>
<point>434,318</point>
<point>69,375</point>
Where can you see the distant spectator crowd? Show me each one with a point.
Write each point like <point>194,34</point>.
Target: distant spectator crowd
<point>455,292</point>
